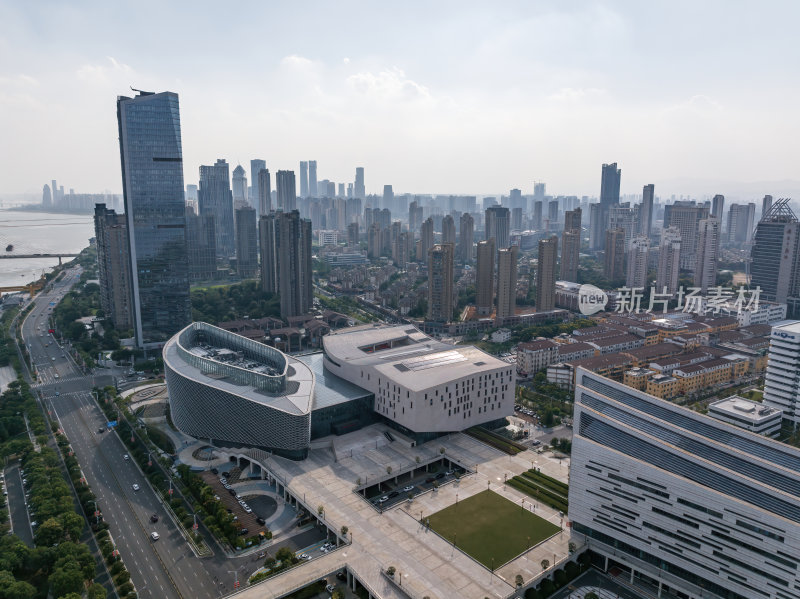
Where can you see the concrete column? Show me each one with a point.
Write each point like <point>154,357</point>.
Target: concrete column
<point>660,584</point>
<point>632,572</point>
<point>605,568</point>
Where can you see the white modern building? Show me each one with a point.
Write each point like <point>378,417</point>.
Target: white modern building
<point>782,388</point>
<point>423,386</point>
<point>749,415</point>
<point>696,507</point>
<point>328,237</point>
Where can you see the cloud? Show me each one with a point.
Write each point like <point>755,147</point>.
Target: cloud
<point>390,84</point>
<point>103,72</point>
<point>575,95</point>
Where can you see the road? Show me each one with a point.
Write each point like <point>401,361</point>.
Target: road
<point>17,510</point>
<point>166,568</point>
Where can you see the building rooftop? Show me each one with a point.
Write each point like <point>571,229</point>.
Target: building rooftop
<point>616,340</point>
<point>571,348</point>
<point>657,350</point>
<point>537,344</point>
<point>740,407</point>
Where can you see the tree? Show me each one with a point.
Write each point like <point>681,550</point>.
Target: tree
<point>320,510</point>
<point>96,591</point>
<point>388,469</point>
<point>337,594</point>
<point>591,595</point>
<point>572,546</point>
<point>390,571</point>
<point>545,564</point>
<point>66,580</point>
<point>519,580</point>
<point>284,555</point>
<point>49,533</point>
<point>20,590</point>
<point>344,530</point>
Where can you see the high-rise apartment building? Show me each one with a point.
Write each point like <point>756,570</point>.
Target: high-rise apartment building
<point>448,230</point>
<point>741,218</point>
<point>537,215</point>
<point>415,213</point>
<point>775,256</point>
<point>239,186</point>
<point>303,178</point>
<point>352,234</point>
<point>646,211</point>
<point>766,204</point>
<point>539,191</point>
<point>638,252</point>
<point>285,241</point>
<point>718,206</point>
<point>546,274</point>
<point>256,166</point>
<point>484,278</point>
<point>152,184</point>
<point>507,282</point>
<point>287,198</point>
<point>388,197</point>
<point>782,387</point>
<point>312,178</point>
<point>571,245</point>
<point>440,282</point>
<point>705,274</point>
<point>516,219</point>
<point>466,234</point>
<point>246,242</point>
<point>497,225</point>
<point>401,250</point>
<point>47,197</point>
<point>214,198</point>
<point>572,220</point>
<point>426,237</point>
<point>359,189</point>
<point>264,192</point>
<point>686,216</point>
<point>669,257</point>
<point>374,241</point>
<point>552,214</point>
<point>201,245</point>
<point>113,266</point>
<point>609,185</point>
<point>614,265</point>
<point>597,227</point>
<point>710,510</point>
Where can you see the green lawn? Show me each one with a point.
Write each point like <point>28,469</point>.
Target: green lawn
<point>489,527</point>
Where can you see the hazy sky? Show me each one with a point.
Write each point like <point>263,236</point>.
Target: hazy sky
<point>429,96</point>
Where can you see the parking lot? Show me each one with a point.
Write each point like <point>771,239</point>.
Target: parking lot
<point>388,494</point>
<point>231,503</point>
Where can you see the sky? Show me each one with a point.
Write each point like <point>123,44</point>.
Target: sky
<point>431,97</point>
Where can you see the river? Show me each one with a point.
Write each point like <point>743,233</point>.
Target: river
<point>39,233</point>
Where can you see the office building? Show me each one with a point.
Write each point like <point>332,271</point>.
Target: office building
<point>749,415</point>
<point>782,387</point>
<point>239,186</point>
<point>537,215</point>
<point>440,282</point>
<point>570,255</point>
<point>312,178</point>
<point>246,242</point>
<point>256,166</point>
<point>710,510</point>
<point>705,274</point>
<point>774,265</point>
<point>359,189</point>
<point>539,190</point>
<point>766,204</point>
<point>448,230</point>
<point>303,178</point>
<point>214,198</point>
<point>426,239</point>
<point>507,282</point>
<point>718,207</point>
<point>466,236</point>
<point>47,198</point>
<point>152,184</point>
<point>638,252</point>
<point>552,214</point>
<point>615,254</point>
<point>388,197</point>
<point>646,211</point>
<point>610,179</point>
<point>264,192</point>
<point>201,245</point>
<point>285,241</point>
<point>287,198</point>
<point>546,274</point>
<point>741,218</point>
<point>669,257</point>
<point>497,226</point>
<point>686,216</point>
<point>113,266</point>
<point>597,227</point>
<point>516,219</point>
<point>484,278</point>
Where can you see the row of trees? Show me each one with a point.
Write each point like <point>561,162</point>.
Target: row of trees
<point>233,302</point>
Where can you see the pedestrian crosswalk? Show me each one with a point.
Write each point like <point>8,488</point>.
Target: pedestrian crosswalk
<point>49,381</point>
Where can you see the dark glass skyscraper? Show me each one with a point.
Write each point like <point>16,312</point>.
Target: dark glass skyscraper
<point>152,185</point>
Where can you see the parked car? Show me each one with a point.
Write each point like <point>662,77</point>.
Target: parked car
<point>126,457</point>
<point>261,520</point>
<point>408,488</point>
<point>304,556</point>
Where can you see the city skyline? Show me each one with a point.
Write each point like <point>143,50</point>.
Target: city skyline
<point>375,89</point>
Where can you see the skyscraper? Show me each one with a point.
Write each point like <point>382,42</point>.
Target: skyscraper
<point>638,250</point>
<point>571,245</point>
<point>572,220</point>
<point>552,213</point>
<point>152,184</point>
<point>669,257</point>
<point>484,278</point>
<point>359,190</point>
<point>537,215</point>
<point>388,197</point>
<point>465,237</point>
<point>615,254</point>
<point>47,198</point>
<point>255,167</point>
<point>705,274</point>
<point>113,266</point>
<point>246,242</point>
<point>374,241</point>
<point>609,185</point>
<point>546,274</point>
<point>264,192</point>
<point>497,226</point>
<point>440,282</point>
<point>718,206</point>
<point>352,234</point>
<point>312,178</point>
<point>646,211</point>
<point>448,230</point>
<point>284,183</point>
<point>775,256</point>
<point>239,186</point>
<point>516,219</point>
<point>686,216</point>
<point>766,204</point>
<point>426,237</point>
<point>214,198</point>
<point>285,241</point>
<point>597,228</point>
<point>54,190</point>
<point>741,218</point>
<point>303,179</point>
<point>201,245</point>
<point>507,282</point>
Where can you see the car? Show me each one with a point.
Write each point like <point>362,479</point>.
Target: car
<point>126,457</point>
<point>248,510</point>
<point>224,481</point>
<point>34,524</point>
<point>53,359</point>
<point>243,532</point>
<point>261,520</point>
<point>330,588</point>
<point>304,556</point>
<point>154,536</point>
<point>226,474</point>
<point>135,487</point>
<point>535,443</point>
<point>440,476</point>
<point>430,479</point>
<point>341,575</point>
<point>323,549</point>
<point>101,430</point>
<point>450,472</point>
<point>394,494</point>
<point>235,494</point>
<point>231,491</point>
<point>408,488</point>
<point>58,393</point>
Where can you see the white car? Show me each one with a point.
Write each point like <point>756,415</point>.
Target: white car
<point>154,536</point>
<point>135,487</point>
<point>304,556</point>
<point>126,457</point>
<point>408,488</point>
